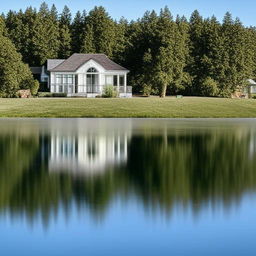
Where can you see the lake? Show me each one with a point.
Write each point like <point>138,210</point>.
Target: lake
<point>127,187</point>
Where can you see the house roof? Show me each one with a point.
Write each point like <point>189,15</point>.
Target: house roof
<point>251,82</point>
<point>53,63</point>
<point>77,60</point>
<point>36,70</point>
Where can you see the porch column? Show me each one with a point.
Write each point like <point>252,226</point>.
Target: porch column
<point>125,83</point>
<point>85,82</point>
<point>118,83</point>
<point>73,84</point>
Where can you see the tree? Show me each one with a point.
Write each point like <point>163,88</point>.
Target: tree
<point>103,28</point>
<point>122,41</point>
<point>65,33</point>
<point>237,62</point>
<point>46,34</point>
<point>77,31</point>
<point>14,74</point>
<point>209,87</point>
<point>88,44</point>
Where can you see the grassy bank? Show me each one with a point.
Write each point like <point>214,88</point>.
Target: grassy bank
<point>137,107</point>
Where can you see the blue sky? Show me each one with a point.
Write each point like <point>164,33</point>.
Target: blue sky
<point>132,9</point>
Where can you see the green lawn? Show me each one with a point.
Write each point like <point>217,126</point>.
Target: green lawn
<point>136,107</point>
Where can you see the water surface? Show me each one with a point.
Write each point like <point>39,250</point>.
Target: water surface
<point>127,187</point>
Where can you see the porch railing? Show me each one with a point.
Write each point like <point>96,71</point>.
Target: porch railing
<point>92,88</point>
<point>86,88</point>
<point>122,89</point>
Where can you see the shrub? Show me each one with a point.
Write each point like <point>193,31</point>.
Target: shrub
<point>60,95</point>
<point>146,90</point>
<point>34,86</point>
<point>209,87</point>
<point>44,94</point>
<point>109,92</point>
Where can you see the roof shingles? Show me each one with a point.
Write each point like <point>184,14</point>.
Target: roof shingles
<point>77,60</point>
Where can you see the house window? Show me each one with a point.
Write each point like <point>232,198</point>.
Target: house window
<point>65,79</point>
<point>92,70</point>
<point>121,80</point>
<point>115,80</point>
<point>70,79</point>
<point>111,80</point>
<point>58,79</point>
<point>92,80</point>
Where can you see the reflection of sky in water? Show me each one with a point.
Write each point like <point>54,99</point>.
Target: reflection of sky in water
<point>126,230</point>
<point>119,187</point>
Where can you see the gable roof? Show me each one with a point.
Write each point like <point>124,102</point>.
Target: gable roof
<point>77,60</point>
<point>53,63</point>
<point>251,82</point>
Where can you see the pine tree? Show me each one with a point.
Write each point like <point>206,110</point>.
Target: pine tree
<point>77,32</point>
<point>166,64</point>
<point>88,45</point>
<point>103,28</point>
<point>46,34</point>
<point>237,69</point>
<point>64,33</point>
<point>2,27</point>
<point>122,42</point>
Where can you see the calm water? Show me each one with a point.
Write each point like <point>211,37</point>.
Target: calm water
<point>127,187</point>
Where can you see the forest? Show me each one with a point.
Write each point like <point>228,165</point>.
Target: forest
<point>166,55</point>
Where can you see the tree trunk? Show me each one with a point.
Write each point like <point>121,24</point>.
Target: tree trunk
<point>163,91</point>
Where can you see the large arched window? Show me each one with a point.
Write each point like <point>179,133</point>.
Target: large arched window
<point>92,70</point>
<point>92,80</point>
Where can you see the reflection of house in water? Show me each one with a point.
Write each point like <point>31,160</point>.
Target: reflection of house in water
<point>87,153</point>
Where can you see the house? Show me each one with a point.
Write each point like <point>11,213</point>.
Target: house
<point>251,86</point>
<point>86,75</point>
<point>40,74</point>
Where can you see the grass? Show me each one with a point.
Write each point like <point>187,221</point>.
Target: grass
<point>170,107</point>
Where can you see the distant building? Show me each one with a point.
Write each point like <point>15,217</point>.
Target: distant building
<point>40,73</point>
<point>86,75</point>
<point>251,86</point>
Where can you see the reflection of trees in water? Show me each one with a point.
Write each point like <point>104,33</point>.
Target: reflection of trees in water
<point>191,168</point>
<point>162,170</point>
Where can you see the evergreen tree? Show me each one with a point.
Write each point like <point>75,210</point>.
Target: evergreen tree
<point>46,34</point>
<point>236,69</point>
<point>122,42</point>
<point>166,64</point>
<point>77,32</point>
<point>103,28</point>
<point>64,33</point>
<point>196,50</point>
<point>88,45</point>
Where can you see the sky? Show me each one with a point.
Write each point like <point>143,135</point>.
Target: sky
<point>133,9</point>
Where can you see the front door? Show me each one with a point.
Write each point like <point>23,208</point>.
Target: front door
<point>92,82</point>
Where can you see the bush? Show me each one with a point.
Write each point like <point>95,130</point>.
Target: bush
<point>34,86</point>
<point>59,95</point>
<point>209,87</point>
<point>109,92</point>
<point>146,90</point>
<point>44,94</point>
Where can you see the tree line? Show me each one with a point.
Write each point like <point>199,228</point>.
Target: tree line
<point>165,55</point>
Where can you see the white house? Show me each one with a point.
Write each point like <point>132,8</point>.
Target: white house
<point>251,86</point>
<point>87,75</point>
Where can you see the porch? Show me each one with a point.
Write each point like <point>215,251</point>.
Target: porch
<point>90,91</point>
